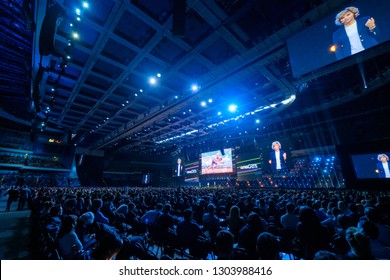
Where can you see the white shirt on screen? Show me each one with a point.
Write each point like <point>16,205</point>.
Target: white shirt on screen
<point>386,168</point>
<point>277,156</point>
<point>354,38</point>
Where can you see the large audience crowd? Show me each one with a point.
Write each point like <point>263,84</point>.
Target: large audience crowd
<point>205,223</point>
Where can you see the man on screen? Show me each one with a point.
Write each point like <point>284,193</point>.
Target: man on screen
<point>383,166</point>
<point>355,35</point>
<point>277,156</point>
<point>179,168</point>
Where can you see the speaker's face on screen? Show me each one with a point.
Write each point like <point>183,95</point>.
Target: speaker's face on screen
<point>276,146</point>
<point>383,159</point>
<point>347,18</point>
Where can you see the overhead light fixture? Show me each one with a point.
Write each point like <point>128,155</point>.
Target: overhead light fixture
<point>152,81</point>
<point>194,88</point>
<point>232,108</point>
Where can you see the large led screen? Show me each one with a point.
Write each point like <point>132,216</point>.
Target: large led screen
<point>350,30</point>
<point>216,162</point>
<point>371,166</point>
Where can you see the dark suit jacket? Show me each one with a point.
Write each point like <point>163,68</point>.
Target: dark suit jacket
<point>272,157</point>
<point>341,40</point>
<point>379,166</point>
<point>177,170</point>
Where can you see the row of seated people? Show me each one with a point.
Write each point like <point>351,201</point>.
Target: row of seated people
<point>226,224</point>
<point>17,181</point>
<point>30,161</point>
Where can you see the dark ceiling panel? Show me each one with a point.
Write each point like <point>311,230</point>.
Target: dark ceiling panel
<point>177,84</point>
<point>134,30</point>
<point>118,52</point>
<point>90,93</point>
<point>168,51</point>
<point>149,68</point>
<point>104,68</point>
<point>136,81</point>
<point>79,57</point>
<point>158,10</point>
<point>97,82</point>
<point>194,69</point>
<point>84,101</point>
<point>197,28</point>
<point>219,51</point>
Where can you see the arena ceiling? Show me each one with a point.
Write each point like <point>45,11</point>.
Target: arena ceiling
<point>93,88</point>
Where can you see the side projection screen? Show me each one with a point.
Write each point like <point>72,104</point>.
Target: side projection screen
<point>352,29</point>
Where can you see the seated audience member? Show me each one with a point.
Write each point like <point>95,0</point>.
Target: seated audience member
<point>199,210</point>
<point>165,233</point>
<point>360,248</point>
<point>225,249</point>
<point>68,242</point>
<point>234,221</point>
<point>353,215</point>
<point>83,228</point>
<point>332,223</point>
<point>132,218</point>
<point>108,210</point>
<point>224,242</point>
<point>150,217</point>
<point>343,223</point>
<point>343,208</point>
<point>312,235</point>
<point>70,205</point>
<point>211,222</point>
<point>267,246</point>
<point>247,237</point>
<point>370,229</point>
<point>191,236</point>
<point>108,246</point>
<point>289,220</point>
<point>320,214</point>
<point>44,211</point>
<point>96,210</point>
<point>326,255</point>
<point>122,209</point>
<point>54,221</point>
<point>372,214</point>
